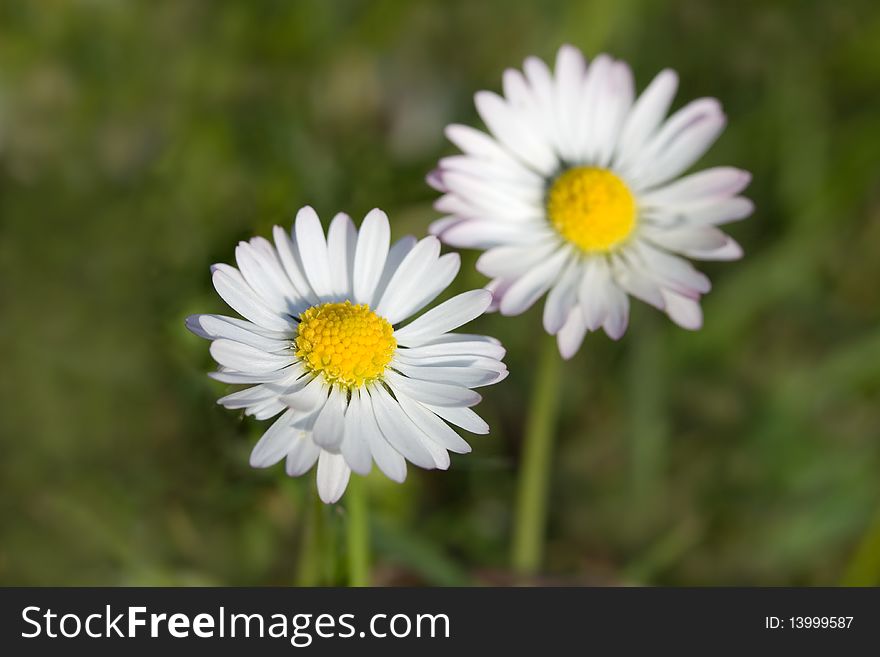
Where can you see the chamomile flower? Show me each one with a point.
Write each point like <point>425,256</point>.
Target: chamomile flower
<point>321,348</point>
<point>577,194</point>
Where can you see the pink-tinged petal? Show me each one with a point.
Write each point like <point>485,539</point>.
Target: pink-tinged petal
<point>488,234</point>
<point>683,311</point>
<point>571,336</point>
<point>645,116</point>
<point>570,71</point>
<point>508,127</point>
<point>710,184</point>
<point>561,298</point>
<point>730,251</point>
<point>534,283</point>
<point>617,317</point>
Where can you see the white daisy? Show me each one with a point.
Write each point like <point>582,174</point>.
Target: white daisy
<point>575,193</point>
<point>321,348</point>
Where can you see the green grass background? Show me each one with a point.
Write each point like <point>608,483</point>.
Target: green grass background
<point>140,141</point>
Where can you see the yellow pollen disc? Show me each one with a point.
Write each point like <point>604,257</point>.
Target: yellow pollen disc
<point>592,208</point>
<point>349,344</point>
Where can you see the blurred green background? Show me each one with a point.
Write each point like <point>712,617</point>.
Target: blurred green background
<point>140,141</point>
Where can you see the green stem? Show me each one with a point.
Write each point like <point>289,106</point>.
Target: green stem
<point>358,533</point>
<point>648,425</point>
<point>310,570</point>
<point>530,517</point>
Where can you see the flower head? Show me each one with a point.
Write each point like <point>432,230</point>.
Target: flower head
<point>577,194</point>
<point>320,347</point>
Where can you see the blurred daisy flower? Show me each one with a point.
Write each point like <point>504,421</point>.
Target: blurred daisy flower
<point>577,193</point>
<point>321,348</point>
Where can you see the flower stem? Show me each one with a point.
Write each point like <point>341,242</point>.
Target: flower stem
<point>530,517</point>
<point>310,570</point>
<point>358,534</point>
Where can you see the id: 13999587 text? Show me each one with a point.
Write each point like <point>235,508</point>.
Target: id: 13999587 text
<point>808,622</point>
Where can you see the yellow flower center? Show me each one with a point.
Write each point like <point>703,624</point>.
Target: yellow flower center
<point>349,344</point>
<point>592,208</point>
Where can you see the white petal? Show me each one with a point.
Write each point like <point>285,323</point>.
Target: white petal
<point>508,127</point>
<point>438,453</point>
<point>492,198</point>
<point>570,71</point>
<point>233,289</point>
<point>459,343</point>
<point>241,357</point>
<point>498,287</point>
<point>508,171</point>
<point>220,326</point>
<point>261,268</point>
<point>398,429</point>
<point>447,316</point>
<point>571,335</point>
<point>455,205</point>
<point>292,264</point>
<point>681,240</point>
<point>543,93</point>
<point>311,396</point>
<point>312,248</point>
<point>671,271</point>
<point>618,99</point>
<point>687,148</point>
<point>305,419</point>
<point>561,298</point>
<point>328,430</point>
<point>730,251</point>
<point>408,278</point>
<point>386,457</point>
<point>396,255</point>
<point>370,254</point>
<point>294,381</point>
<point>333,476</point>
<point>460,416</point>
<point>247,397</point>
<point>514,261</point>
<point>593,293</point>
<point>477,143</point>
<point>437,394</point>
<point>226,376</point>
<point>437,227</point>
<point>436,450</point>
<point>617,316</point>
<point>431,283</point>
<point>646,115</point>
<point>591,138</point>
<point>635,281</point>
<point>531,110</point>
<point>354,447</point>
<point>435,428</point>
<point>710,184</point>
<point>707,213</point>
<point>256,278</point>
<point>266,410</point>
<point>341,243</point>
<point>448,360</point>
<point>467,377</point>
<point>275,442</point>
<point>485,234</point>
<point>478,183</point>
<point>683,311</point>
<point>302,455</point>
<point>528,288</point>
<point>684,137</point>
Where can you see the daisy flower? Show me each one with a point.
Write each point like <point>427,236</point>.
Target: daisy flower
<point>576,193</point>
<point>320,347</point>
